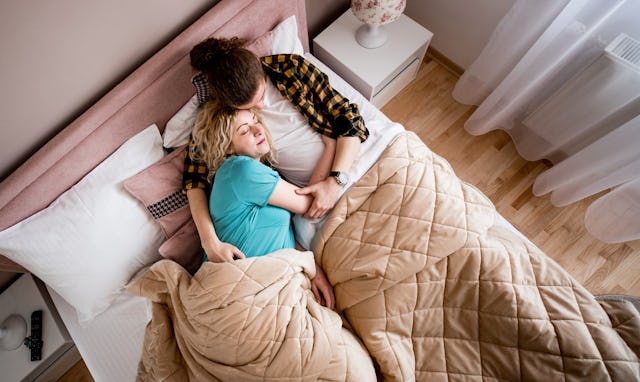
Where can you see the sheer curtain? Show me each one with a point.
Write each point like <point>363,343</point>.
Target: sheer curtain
<point>562,77</point>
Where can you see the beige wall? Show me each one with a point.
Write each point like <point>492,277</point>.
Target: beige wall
<point>320,13</point>
<point>460,27</point>
<point>58,57</point>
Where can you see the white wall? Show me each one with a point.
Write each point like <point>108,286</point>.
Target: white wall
<point>460,27</point>
<point>59,57</point>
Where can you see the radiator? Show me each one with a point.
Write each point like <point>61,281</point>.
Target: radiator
<point>594,101</point>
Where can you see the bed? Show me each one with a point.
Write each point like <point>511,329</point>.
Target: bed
<point>431,283</point>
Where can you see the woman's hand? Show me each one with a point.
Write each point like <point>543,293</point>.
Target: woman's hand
<point>322,289</point>
<point>221,252</point>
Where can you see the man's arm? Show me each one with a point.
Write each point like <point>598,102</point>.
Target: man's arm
<point>308,88</point>
<point>325,193</point>
<point>323,167</point>
<point>328,112</point>
<point>216,250</point>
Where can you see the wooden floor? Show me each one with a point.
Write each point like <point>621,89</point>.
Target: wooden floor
<point>491,163</point>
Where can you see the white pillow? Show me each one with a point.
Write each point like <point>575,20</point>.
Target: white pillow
<point>89,242</point>
<point>178,129</point>
<point>285,38</point>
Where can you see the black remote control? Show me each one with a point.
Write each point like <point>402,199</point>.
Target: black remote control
<point>36,336</point>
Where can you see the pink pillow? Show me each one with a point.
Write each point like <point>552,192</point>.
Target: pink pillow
<point>261,46</point>
<point>184,247</point>
<point>159,188</point>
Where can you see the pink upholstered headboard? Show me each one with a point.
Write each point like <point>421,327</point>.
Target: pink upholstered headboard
<point>151,94</point>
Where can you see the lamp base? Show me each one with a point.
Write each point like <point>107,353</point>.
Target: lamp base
<point>12,332</point>
<point>371,36</point>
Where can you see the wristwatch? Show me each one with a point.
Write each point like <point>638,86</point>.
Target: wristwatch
<point>340,176</point>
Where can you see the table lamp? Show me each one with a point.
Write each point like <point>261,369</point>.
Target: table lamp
<point>13,331</point>
<point>374,14</point>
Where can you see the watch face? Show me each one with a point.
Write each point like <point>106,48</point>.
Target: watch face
<point>341,177</point>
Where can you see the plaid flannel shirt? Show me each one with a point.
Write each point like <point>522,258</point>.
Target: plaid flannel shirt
<point>308,89</point>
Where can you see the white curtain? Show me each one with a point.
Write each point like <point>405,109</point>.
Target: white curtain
<point>562,77</point>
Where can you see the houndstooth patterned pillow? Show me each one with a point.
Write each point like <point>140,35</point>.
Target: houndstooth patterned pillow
<point>203,94</point>
<point>168,205</point>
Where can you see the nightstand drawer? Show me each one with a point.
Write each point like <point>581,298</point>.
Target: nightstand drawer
<point>399,70</point>
<point>396,84</point>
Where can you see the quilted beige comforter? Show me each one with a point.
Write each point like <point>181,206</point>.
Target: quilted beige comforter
<point>436,294</point>
<point>253,320</point>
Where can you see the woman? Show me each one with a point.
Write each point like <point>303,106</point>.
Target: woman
<point>236,77</point>
<point>250,204</point>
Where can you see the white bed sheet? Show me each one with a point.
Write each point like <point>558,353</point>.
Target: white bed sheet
<point>111,344</point>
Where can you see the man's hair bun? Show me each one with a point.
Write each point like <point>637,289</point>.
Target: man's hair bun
<point>211,50</point>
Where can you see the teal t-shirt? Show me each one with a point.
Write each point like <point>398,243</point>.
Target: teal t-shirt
<point>240,211</point>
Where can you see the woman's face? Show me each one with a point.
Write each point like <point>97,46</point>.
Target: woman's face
<point>257,102</point>
<point>248,136</point>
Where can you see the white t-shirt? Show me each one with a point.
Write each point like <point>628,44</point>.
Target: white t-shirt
<point>299,146</point>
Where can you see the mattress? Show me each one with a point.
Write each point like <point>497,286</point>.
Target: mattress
<point>111,344</point>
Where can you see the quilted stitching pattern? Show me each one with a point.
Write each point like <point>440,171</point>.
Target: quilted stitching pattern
<point>436,295</point>
<point>251,320</point>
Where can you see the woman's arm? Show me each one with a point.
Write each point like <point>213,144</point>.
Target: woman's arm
<point>285,196</point>
<point>216,250</point>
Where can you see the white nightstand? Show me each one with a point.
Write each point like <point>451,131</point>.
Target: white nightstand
<point>380,73</point>
<point>25,295</point>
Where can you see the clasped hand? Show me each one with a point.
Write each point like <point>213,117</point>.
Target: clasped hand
<point>325,195</point>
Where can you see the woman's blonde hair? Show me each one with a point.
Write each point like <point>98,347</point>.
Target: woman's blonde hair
<point>212,136</point>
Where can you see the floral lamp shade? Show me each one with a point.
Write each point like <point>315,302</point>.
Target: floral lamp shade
<point>374,14</point>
